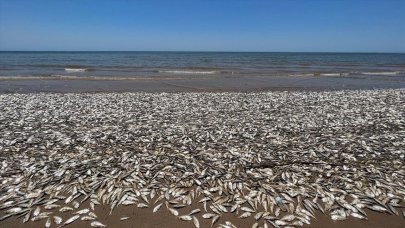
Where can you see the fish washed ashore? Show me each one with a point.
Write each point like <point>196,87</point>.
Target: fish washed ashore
<point>269,159</point>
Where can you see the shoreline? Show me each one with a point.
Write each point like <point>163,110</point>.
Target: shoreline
<point>195,84</point>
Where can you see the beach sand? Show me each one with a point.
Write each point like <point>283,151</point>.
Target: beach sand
<point>146,219</point>
<point>120,135</point>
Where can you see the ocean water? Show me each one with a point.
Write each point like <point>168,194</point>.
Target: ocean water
<point>198,64</point>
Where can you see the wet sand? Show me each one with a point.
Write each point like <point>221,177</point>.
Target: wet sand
<point>145,218</point>
<point>200,84</point>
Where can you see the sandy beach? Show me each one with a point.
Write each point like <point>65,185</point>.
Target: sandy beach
<point>200,114</point>
<point>261,159</point>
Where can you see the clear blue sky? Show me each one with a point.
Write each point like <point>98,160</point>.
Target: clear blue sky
<point>204,25</point>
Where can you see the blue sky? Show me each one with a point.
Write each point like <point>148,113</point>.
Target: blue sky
<point>204,25</point>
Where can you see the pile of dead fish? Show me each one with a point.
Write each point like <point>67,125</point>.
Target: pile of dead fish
<point>276,158</point>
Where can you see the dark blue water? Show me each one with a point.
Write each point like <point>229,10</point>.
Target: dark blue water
<point>196,64</point>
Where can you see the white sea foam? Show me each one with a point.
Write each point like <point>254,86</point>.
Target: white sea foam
<point>187,72</point>
<point>330,74</point>
<point>302,75</point>
<point>75,69</point>
<point>382,73</point>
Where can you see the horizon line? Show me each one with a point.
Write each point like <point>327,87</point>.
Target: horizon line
<point>343,52</point>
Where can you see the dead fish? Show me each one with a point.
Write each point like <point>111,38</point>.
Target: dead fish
<point>273,224</point>
<point>51,206</point>
<point>185,218</point>
<point>48,223</point>
<point>258,215</point>
<point>173,211</point>
<point>14,210</point>
<point>81,212</point>
<point>97,224</point>
<point>195,211</point>
<point>245,215</point>
<point>297,223</point>
<point>281,223</point>
<point>87,218</point>
<point>338,217</point>
<point>128,202</point>
<point>26,217</point>
<point>142,205</point>
<point>377,208</point>
<point>70,220</point>
<point>76,204</point>
<point>196,222</point>
<point>247,209</point>
<point>357,215</point>
<point>39,217</point>
<point>288,218</point>
<point>214,220</point>
<point>208,215</point>
<point>57,220</point>
<point>155,209</point>
<point>5,217</point>
<point>64,209</point>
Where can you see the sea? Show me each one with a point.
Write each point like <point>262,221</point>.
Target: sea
<point>198,64</point>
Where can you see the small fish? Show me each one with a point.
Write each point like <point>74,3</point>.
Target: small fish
<point>155,209</point>
<point>124,218</point>
<point>36,212</point>
<point>173,212</point>
<point>247,209</point>
<point>81,212</point>
<point>64,209</point>
<point>196,222</point>
<point>39,217</point>
<point>97,224</point>
<point>195,211</point>
<point>142,205</point>
<point>214,220</point>
<point>245,215</point>
<point>87,218</point>
<point>377,208</point>
<point>70,220</point>
<point>57,220</point>
<point>48,223</point>
<point>51,206</point>
<point>14,210</point>
<point>281,223</point>
<point>234,207</point>
<point>338,217</point>
<point>357,215</point>
<point>208,215</point>
<point>297,223</point>
<point>76,204</point>
<point>259,215</point>
<point>27,217</point>
<point>288,218</point>
<point>185,218</point>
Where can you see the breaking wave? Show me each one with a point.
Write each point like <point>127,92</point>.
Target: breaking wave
<point>76,69</point>
<point>188,72</point>
<point>382,73</point>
